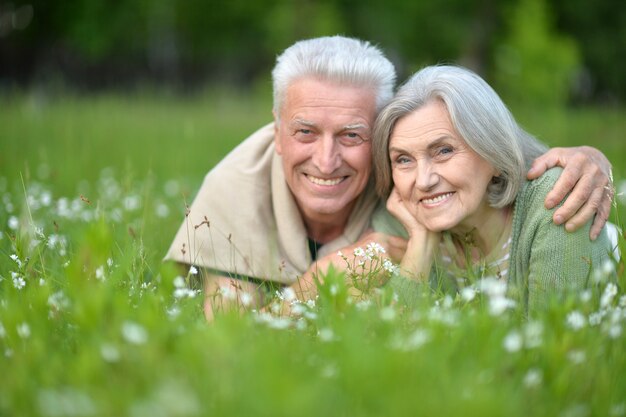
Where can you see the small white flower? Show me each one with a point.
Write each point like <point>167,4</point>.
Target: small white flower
<point>595,318</point>
<point>576,320</point>
<point>326,334</point>
<point>468,294</point>
<point>134,333</point>
<point>23,331</point>
<point>17,260</point>
<point>359,252</point>
<point>289,294</point>
<point>615,331</point>
<point>246,299</point>
<point>513,342</point>
<point>100,273</point>
<point>13,223</point>
<point>110,353</point>
<point>18,281</point>
<point>227,292</point>
<point>577,356</point>
<point>533,334</point>
<point>497,305</point>
<point>179,282</point>
<point>110,262</point>
<point>193,270</point>
<point>387,314</point>
<point>334,290</point>
<point>607,296</point>
<point>585,295</point>
<point>533,378</point>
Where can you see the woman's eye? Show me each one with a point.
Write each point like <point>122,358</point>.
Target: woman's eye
<point>445,150</point>
<point>402,160</point>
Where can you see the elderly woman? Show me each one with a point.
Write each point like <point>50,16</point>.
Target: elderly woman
<point>452,161</point>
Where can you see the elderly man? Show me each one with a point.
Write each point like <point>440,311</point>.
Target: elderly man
<point>278,208</point>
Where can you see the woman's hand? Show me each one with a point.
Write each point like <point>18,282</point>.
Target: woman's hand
<point>422,244</point>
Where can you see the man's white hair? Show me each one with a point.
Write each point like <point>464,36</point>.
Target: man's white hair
<point>338,59</point>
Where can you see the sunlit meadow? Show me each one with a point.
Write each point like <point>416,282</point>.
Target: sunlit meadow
<point>92,323</point>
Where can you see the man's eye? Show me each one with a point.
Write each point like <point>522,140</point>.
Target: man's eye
<point>305,131</point>
<point>351,139</point>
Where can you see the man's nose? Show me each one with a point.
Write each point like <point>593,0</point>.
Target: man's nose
<point>327,155</point>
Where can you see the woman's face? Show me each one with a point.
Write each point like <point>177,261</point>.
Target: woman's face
<point>440,178</point>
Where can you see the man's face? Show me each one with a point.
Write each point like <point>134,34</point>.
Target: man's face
<point>324,137</point>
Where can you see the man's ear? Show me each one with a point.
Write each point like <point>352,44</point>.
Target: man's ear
<point>277,144</point>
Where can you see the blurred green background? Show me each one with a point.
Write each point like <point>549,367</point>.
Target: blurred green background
<point>548,50</point>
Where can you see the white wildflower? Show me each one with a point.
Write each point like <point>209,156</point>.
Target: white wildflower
<point>417,339</point>
<point>17,260</point>
<point>595,318</point>
<point>577,356</point>
<point>363,305</point>
<point>492,286</point>
<point>326,334</point>
<point>359,252</point>
<point>387,314</point>
<point>18,281</point>
<point>334,290</point>
<point>289,294</point>
<point>375,248</point>
<point>246,299</point>
<point>100,276</point>
<point>110,352</point>
<point>614,331</point>
<point>618,410</point>
<point>173,311</point>
<point>131,202</point>
<point>58,301</point>
<point>13,223</point>
<point>42,282</point>
<point>533,334</point>
<point>576,320</point>
<point>533,378</point>
<point>179,282</point>
<point>608,267</point>
<point>497,305</point>
<point>609,293</point>
<point>23,330</point>
<point>585,295</point>
<point>134,333</point>
<point>109,262</point>
<point>468,294</point>
<point>513,342</point>
<point>193,270</point>
<point>227,292</point>
<point>279,323</point>
<point>65,402</point>
<point>162,210</point>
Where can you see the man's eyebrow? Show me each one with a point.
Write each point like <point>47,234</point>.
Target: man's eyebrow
<point>302,122</point>
<point>356,126</point>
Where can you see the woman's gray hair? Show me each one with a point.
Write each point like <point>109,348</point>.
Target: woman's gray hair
<point>478,115</point>
<point>338,59</point>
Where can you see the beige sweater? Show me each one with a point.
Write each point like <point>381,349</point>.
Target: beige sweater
<point>245,222</point>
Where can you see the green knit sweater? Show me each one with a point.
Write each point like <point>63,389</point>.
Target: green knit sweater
<point>544,258</point>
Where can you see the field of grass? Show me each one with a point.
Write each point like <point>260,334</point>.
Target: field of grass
<point>92,190</point>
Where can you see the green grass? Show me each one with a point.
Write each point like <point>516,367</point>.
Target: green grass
<point>97,330</point>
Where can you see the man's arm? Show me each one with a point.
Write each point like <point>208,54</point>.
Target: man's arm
<point>587,175</point>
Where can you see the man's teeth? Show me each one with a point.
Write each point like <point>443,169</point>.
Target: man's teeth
<point>436,199</point>
<point>321,181</point>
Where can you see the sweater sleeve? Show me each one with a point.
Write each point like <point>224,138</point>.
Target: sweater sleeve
<point>559,260</point>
